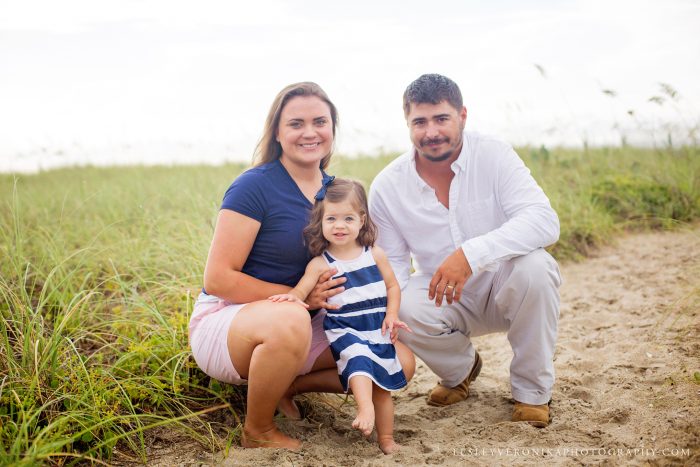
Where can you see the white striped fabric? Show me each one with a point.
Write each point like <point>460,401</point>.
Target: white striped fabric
<point>354,330</point>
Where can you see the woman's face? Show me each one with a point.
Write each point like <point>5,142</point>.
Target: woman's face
<point>305,131</point>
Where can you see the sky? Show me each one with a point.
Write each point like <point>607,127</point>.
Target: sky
<point>154,81</point>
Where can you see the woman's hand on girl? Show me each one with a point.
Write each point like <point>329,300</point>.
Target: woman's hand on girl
<point>326,288</point>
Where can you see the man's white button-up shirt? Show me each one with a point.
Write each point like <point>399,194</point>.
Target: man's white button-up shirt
<point>497,210</point>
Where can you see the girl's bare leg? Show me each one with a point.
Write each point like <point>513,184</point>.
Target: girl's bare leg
<point>384,410</point>
<point>268,344</point>
<point>362,390</point>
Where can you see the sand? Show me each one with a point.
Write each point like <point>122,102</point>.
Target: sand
<point>628,348</point>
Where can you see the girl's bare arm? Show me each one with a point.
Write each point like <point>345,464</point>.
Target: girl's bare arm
<point>314,269</point>
<point>393,291</point>
<point>391,323</point>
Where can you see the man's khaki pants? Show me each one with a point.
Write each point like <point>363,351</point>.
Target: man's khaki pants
<point>520,298</point>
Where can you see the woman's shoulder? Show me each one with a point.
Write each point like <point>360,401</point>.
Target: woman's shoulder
<point>256,173</point>
<point>252,178</point>
<point>249,192</point>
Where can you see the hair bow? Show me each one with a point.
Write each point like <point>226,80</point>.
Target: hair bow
<point>321,194</point>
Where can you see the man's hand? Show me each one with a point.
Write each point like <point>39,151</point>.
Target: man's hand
<point>318,298</point>
<point>393,324</point>
<point>449,279</point>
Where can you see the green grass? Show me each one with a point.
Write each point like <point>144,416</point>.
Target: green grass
<point>99,269</point>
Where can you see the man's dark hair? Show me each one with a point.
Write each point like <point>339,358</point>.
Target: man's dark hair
<point>432,89</point>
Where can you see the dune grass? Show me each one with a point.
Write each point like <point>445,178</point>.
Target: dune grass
<point>99,269</point>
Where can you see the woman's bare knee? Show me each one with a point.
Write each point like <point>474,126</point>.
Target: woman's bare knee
<point>285,326</point>
<point>290,326</point>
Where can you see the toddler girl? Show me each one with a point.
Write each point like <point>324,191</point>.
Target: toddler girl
<point>363,329</point>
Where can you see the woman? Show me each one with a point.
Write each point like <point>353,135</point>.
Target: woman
<point>237,335</point>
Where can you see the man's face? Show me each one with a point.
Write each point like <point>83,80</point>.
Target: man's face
<point>436,130</point>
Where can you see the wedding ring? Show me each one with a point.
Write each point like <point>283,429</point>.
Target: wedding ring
<point>450,287</point>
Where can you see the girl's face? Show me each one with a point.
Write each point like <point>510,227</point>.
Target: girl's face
<point>305,130</point>
<point>341,223</point>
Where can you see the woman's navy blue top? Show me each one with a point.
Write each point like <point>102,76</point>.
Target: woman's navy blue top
<point>269,195</point>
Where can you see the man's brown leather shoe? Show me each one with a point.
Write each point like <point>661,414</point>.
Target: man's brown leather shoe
<point>442,396</point>
<point>535,415</point>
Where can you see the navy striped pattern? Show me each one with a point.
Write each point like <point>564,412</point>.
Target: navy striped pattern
<point>354,330</point>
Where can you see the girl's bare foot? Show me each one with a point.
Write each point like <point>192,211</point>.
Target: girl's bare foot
<point>288,408</point>
<point>272,438</point>
<point>388,445</point>
<point>364,422</point>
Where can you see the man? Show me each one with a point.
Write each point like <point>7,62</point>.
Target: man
<point>468,213</point>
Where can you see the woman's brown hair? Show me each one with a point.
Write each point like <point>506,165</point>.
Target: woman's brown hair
<point>268,148</point>
<point>339,190</point>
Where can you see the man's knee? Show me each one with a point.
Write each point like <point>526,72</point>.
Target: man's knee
<point>531,290</point>
<point>536,272</point>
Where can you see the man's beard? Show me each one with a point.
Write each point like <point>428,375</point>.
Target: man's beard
<point>442,157</point>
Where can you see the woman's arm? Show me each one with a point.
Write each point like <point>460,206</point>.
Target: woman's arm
<point>234,236</point>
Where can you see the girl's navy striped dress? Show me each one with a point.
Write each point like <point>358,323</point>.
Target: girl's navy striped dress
<point>355,329</point>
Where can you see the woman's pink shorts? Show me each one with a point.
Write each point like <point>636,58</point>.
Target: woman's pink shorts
<point>209,326</point>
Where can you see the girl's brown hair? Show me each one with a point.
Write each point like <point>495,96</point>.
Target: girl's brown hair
<point>268,148</point>
<point>339,190</point>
